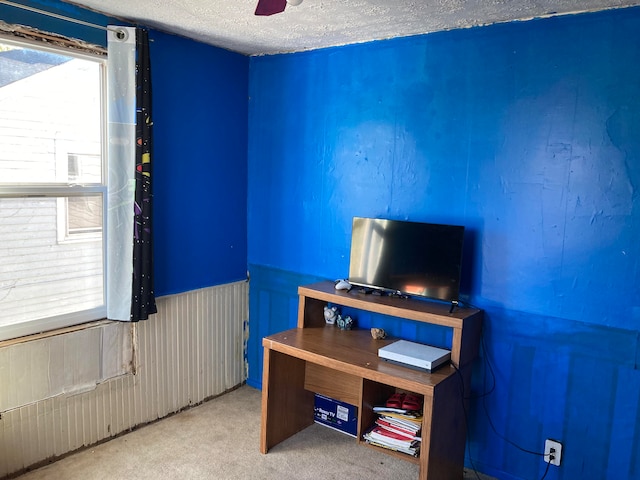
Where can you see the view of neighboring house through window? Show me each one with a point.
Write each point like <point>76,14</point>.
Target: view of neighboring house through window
<point>52,188</point>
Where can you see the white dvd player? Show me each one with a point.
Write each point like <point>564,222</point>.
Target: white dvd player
<point>415,355</point>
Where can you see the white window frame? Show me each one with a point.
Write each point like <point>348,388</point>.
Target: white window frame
<point>64,189</point>
<point>63,151</point>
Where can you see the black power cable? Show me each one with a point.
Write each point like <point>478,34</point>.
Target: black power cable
<point>466,420</point>
<point>483,396</point>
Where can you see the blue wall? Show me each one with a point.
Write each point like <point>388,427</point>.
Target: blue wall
<point>527,133</point>
<point>200,110</point>
<point>200,127</point>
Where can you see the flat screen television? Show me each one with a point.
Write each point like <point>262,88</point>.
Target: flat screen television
<point>411,258</point>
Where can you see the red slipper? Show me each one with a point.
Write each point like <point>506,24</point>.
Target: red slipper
<point>412,402</point>
<point>395,400</point>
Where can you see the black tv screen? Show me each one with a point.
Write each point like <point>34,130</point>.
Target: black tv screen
<point>411,258</point>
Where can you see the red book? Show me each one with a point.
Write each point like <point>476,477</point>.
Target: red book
<point>399,432</point>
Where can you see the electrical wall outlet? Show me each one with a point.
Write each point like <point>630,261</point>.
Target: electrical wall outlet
<point>552,452</point>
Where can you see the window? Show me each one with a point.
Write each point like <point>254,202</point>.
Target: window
<point>80,217</point>
<point>52,188</point>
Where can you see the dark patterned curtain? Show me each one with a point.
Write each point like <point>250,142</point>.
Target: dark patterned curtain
<point>143,302</point>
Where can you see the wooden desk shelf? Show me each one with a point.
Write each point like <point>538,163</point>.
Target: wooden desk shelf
<point>344,365</point>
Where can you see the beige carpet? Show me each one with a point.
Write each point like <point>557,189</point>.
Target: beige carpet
<point>220,440</point>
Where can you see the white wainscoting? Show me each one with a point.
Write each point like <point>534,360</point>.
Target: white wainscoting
<point>191,350</point>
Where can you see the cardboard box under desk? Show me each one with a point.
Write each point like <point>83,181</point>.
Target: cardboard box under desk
<point>340,416</point>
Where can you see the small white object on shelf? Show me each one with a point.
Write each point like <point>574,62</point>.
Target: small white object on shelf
<point>415,354</point>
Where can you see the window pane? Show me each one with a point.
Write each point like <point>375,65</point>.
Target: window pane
<point>50,109</point>
<point>84,168</point>
<point>39,275</point>
<point>84,214</point>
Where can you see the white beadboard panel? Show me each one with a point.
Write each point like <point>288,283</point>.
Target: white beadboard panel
<point>46,367</point>
<point>117,355</point>
<point>191,350</point>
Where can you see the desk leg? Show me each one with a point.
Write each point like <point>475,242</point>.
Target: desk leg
<point>443,433</point>
<point>287,407</point>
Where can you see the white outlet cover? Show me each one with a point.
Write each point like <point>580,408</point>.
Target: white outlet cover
<point>557,455</point>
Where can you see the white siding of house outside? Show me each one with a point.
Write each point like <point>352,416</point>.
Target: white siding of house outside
<point>42,271</point>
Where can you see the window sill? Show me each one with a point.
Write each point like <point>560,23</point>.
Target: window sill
<point>53,333</point>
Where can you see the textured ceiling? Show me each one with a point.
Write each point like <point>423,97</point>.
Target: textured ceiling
<point>231,24</point>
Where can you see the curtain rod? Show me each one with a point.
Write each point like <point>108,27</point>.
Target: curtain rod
<point>55,15</point>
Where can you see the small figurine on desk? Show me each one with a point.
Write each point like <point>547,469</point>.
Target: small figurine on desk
<point>344,323</point>
<point>378,333</point>
<point>331,314</point>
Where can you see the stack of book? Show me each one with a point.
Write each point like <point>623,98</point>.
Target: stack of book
<point>396,429</point>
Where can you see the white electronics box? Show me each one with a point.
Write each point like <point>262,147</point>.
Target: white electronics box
<point>415,355</point>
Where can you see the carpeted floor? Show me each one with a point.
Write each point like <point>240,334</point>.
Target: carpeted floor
<point>220,440</point>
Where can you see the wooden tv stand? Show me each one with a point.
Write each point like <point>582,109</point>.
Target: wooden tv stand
<point>344,365</point>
